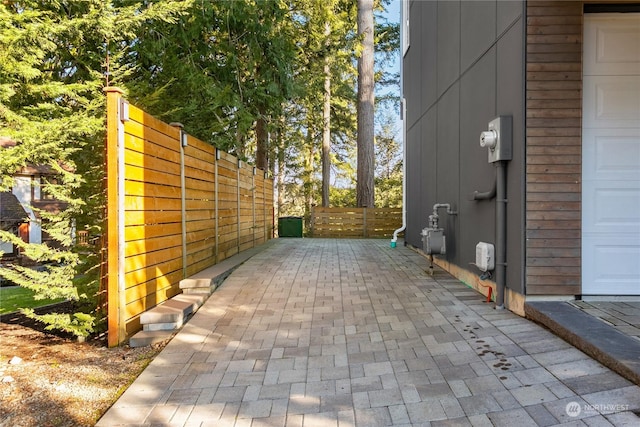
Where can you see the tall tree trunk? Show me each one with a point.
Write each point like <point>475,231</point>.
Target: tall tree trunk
<point>308,174</point>
<point>262,141</point>
<point>366,100</point>
<point>281,169</point>
<point>326,123</point>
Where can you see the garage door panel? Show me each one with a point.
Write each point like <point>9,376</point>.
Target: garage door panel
<point>611,155</point>
<point>610,42</point>
<point>611,104</point>
<point>613,210</point>
<point>598,259</point>
<point>608,156</point>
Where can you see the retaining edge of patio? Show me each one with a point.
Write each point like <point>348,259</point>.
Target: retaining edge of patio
<point>607,345</point>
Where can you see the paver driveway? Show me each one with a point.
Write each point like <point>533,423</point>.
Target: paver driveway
<point>321,332</point>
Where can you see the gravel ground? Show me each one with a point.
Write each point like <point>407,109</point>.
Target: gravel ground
<point>50,380</point>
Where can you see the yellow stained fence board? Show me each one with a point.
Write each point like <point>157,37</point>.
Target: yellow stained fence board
<point>152,258</point>
<point>148,273</point>
<point>137,232</point>
<point>138,203</point>
<point>140,247</point>
<point>135,188</point>
<point>152,217</point>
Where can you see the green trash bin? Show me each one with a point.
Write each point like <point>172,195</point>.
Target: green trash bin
<point>290,226</point>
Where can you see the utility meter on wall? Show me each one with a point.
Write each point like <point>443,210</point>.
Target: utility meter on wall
<point>497,139</point>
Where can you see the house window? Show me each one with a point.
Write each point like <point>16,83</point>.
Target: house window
<point>45,183</point>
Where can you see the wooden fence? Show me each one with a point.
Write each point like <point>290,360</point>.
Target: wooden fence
<point>355,222</point>
<point>176,206</point>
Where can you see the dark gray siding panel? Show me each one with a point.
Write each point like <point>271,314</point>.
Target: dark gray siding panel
<point>414,78</point>
<point>478,30</point>
<point>508,12</point>
<point>412,232</point>
<point>447,153</point>
<point>464,68</point>
<point>448,40</point>
<point>428,55</point>
<point>477,108</point>
<point>429,167</point>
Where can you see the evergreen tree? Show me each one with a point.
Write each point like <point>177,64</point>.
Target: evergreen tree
<point>53,59</point>
<point>388,164</point>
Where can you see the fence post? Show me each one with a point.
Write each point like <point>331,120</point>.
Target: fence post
<point>183,194</point>
<point>117,113</point>
<point>216,200</point>
<point>264,206</point>
<point>253,207</point>
<point>238,204</point>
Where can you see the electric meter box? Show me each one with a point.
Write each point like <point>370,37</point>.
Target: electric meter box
<point>497,139</point>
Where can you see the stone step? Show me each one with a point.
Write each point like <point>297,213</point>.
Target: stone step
<point>170,311</point>
<point>165,318</point>
<point>195,300</point>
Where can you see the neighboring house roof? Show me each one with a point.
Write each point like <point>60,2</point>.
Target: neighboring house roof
<point>10,209</point>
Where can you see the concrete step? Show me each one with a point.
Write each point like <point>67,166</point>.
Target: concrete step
<point>195,300</point>
<point>170,311</point>
<point>165,318</point>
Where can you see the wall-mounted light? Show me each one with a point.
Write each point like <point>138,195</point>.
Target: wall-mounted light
<point>124,111</point>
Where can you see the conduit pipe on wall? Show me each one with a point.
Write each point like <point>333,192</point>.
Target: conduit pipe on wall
<point>498,140</point>
<point>487,195</point>
<point>501,233</point>
<point>499,192</point>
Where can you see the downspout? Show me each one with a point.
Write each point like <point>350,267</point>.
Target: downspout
<point>404,175</point>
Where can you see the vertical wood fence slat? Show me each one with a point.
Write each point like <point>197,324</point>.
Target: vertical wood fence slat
<point>173,209</point>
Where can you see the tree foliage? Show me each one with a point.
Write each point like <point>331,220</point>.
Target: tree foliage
<point>247,76</point>
<point>53,58</point>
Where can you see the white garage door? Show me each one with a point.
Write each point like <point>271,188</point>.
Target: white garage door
<point>611,155</point>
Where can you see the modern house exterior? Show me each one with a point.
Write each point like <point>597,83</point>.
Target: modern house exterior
<point>567,76</point>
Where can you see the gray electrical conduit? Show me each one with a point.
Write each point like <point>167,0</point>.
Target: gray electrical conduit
<point>499,191</point>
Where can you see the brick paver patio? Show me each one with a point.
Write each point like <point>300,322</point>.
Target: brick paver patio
<point>320,332</point>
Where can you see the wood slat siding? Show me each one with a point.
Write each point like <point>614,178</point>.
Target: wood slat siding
<point>355,222</point>
<point>228,209</point>
<point>554,147</point>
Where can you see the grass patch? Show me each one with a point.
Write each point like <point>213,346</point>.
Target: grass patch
<point>14,298</point>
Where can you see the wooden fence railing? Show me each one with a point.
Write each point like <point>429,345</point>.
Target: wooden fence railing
<point>176,206</point>
<point>355,222</point>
